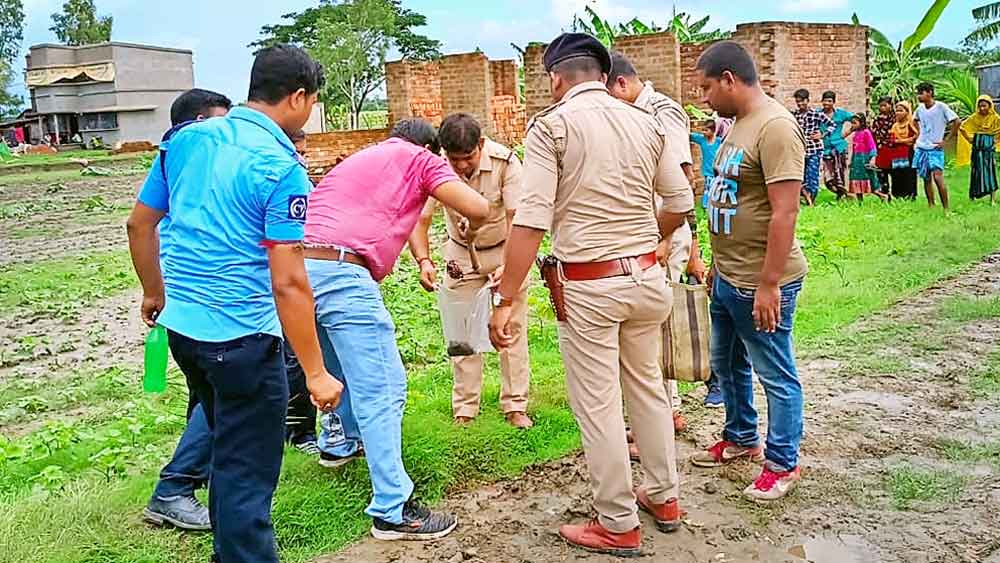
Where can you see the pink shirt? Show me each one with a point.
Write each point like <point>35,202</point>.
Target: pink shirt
<point>864,142</point>
<point>370,202</point>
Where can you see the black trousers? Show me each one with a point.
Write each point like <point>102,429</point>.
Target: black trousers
<point>243,387</point>
<point>904,183</point>
<point>300,422</point>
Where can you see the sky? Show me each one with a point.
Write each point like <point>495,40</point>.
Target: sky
<point>218,31</point>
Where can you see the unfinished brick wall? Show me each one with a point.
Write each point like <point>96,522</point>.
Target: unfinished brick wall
<point>507,117</point>
<point>414,90</point>
<point>467,86</point>
<point>656,57</point>
<point>537,95</point>
<point>791,55</point>
<point>325,150</point>
<point>503,74</point>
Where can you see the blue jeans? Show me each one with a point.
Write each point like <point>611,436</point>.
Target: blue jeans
<point>358,339</point>
<point>189,468</point>
<point>243,388</point>
<point>738,349</point>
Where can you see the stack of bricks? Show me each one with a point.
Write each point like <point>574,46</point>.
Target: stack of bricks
<point>507,117</point>
<point>414,90</point>
<point>503,75</point>
<point>326,150</point>
<point>467,87</point>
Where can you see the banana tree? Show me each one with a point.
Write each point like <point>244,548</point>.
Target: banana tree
<point>896,70</point>
<point>680,25</point>
<point>960,90</point>
<point>988,22</point>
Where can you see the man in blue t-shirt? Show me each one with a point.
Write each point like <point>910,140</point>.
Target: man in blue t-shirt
<point>235,197</point>
<point>835,145</point>
<point>173,501</point>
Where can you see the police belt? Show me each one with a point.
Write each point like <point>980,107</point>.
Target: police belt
<point>480,248</point>
<point>586,271</point>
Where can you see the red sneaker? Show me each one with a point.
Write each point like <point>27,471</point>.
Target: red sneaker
<point>726,452</point>
<point>594,537</point>
<point>773,485</point>
<point>667,515</point>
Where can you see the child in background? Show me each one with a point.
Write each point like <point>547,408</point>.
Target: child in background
<point>709,144</point>
<point>864,175</point>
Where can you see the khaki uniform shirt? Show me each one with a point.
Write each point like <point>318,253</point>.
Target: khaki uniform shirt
<point>762,148</point>
<point>498,179</point>
<point>591,166</point>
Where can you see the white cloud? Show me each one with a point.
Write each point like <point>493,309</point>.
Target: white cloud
<point>812,6</point>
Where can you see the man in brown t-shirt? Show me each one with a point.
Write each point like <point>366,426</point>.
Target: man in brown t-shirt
<point>757,269</point>
<point>592,165</point>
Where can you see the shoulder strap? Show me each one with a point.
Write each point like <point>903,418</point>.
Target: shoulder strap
<point>163,151</point>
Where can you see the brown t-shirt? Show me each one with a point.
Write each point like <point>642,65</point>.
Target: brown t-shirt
<point>591,166</point>
<point>762,148</point>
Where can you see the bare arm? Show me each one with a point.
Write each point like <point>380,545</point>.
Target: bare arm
<point>522,248</point>
<point>669,221</point>
<point>144,246</point>
<point>465,200</point>
<point>420,243</point>
<point>293,298</point>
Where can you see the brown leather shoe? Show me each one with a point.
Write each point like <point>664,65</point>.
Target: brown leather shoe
<point>519,420</point>
<point>463,420</point>
<point>667,515</point>
<point>680,425</point>
<point>594,537</point>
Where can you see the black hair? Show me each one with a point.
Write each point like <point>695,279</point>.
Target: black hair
<point>189,105</point>
<point>862,120</point>
<point>925,87</point>
<point>731,56</point>
<point>297,136</point>
<point>620,66</point>
<point>280,70</point>
<point>801,94</point>
<point>829,95</point>
<point>885,100</point>
<point>417,131</point>
<point>578,68</point>
<point>459,133</point>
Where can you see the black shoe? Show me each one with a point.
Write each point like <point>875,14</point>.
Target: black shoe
<point>419,524</point>
<point>331,461</point>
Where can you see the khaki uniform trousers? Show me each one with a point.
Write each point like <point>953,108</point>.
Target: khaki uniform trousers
<point>515,368</point>
<point>680,253</point>
<point>610,344</point>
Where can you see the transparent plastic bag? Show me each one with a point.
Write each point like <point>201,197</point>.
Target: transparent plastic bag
<point>465,321</point>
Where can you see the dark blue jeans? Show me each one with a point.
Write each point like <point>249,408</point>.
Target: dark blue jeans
<point>739,349</point>
<point>243,388</point>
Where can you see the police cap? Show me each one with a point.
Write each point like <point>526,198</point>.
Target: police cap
<point>572,45</point>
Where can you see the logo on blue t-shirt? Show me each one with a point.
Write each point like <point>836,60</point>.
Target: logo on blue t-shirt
<point>297,205</point>
<point>722,192</point>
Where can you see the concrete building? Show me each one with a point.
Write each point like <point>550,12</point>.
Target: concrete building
<point>120,92</point>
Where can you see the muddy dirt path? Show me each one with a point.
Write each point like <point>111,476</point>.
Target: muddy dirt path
<point>879,414</point>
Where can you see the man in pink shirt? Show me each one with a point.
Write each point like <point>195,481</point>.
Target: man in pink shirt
<point>358,219</point>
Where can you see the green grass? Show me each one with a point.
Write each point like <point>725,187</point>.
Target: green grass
<point>863,260</point>
<point>62,287</point>
<point>986,382</point>
<point>909,485</point>
<point>968,452</point>
<point>94,157</point>
<point>968,309</point>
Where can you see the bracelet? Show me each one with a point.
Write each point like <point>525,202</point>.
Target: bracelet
<point>420,261</point>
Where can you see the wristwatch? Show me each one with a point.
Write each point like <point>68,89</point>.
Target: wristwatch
<point>501,301</point>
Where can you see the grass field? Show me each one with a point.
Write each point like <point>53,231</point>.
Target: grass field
<point>72,490</point>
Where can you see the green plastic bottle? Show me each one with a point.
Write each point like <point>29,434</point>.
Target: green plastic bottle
<point>154,377</point>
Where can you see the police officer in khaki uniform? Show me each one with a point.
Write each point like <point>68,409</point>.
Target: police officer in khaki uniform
<point>592,166</point>
<point>475,260</point>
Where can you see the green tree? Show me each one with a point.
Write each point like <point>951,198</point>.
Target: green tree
<point>896,70</point>
<point>11,35</point>
<point>987,19</point>
<point>79,24</point>
<point>351,39</point>
<point>680,25</point>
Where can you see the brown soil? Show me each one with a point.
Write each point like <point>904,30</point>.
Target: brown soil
<point>861,423</point>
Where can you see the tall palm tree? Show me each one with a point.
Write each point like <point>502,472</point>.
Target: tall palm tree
<point>988,18</point>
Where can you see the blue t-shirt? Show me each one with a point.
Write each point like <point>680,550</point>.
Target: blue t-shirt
<point>708,152</point>
<point>232,185</point>
<point>835,140</point>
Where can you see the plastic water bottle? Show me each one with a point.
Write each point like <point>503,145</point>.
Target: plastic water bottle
<point>154,377</point>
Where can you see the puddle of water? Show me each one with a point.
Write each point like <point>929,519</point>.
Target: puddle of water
<point>845,549</point>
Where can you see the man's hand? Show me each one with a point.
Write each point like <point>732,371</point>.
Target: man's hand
<point>697,270</point>
<point>325,391</point>
<point>495,277</point>
<point>428,275</point>
<point>500,334</point>
<point>151,307</point>
<point>663,251</point>
<point>939,145</point>
<point>767,308</point>
<point>816,136</point>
